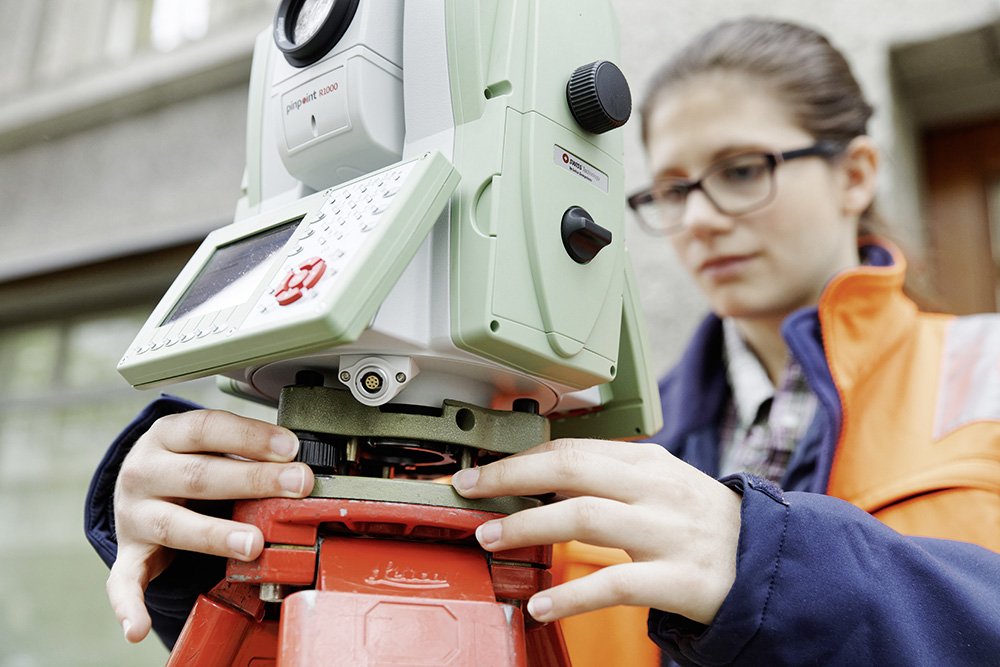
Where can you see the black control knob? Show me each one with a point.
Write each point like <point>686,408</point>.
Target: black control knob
<point>599,97</point>
<point>582,237</point>
<point>319,454</point>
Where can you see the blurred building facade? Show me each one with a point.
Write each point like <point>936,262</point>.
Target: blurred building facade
<point>121,145</point>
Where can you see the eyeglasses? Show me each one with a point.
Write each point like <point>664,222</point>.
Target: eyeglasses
<point>735,186</point>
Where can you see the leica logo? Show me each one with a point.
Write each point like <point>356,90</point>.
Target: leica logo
<point>388,574</point>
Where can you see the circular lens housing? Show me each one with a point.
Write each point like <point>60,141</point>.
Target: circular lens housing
<point>310,19</point>
<point>306,30</point>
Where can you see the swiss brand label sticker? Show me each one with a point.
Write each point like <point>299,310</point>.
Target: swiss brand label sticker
<point>578,167</point>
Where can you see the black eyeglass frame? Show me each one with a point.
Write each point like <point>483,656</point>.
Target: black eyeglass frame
<point>825,149</point>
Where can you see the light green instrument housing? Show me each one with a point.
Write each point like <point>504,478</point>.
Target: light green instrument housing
<point>517,296</point>
<point>461,284</point>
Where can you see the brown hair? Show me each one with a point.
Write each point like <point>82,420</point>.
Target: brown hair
<point>811,76</point>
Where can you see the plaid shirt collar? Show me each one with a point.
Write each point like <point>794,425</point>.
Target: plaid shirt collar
<point>763,424</point>
<point>751,386</point>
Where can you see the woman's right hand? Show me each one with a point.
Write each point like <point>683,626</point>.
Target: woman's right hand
<point>190,456</point>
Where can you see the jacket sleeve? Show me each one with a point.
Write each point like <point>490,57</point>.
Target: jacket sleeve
<point>169,597</point>
<point>821,582</point>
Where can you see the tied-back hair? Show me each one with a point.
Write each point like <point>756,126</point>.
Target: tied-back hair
<point>798,64</point>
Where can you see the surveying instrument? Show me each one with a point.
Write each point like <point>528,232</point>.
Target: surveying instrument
<point>426,272</point>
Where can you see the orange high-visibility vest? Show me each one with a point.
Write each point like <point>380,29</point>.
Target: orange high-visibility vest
<point>919,444</point>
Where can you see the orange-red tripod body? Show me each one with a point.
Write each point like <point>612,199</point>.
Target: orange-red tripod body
<point>377,584</point>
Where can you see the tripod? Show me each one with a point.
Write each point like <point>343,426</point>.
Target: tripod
<point>380,571</point>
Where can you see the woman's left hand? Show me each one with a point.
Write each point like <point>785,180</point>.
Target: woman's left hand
<point>679,526</point>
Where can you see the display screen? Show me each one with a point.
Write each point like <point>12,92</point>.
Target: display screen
<point>231,274</point>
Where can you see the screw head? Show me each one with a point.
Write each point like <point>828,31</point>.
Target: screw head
<point>345,376</point>
<point>400,378</point>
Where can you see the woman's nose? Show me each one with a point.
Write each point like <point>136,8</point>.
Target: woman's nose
<point>701,216</point>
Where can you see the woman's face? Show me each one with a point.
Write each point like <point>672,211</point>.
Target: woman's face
<point>772,261</point>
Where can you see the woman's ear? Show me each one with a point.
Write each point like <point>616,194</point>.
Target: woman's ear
<point>859,166</point>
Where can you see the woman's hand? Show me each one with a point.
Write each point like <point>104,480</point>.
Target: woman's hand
<point>679,526</point>
<point>178,460</point>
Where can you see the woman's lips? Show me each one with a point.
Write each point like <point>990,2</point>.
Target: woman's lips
<point>725,267</point>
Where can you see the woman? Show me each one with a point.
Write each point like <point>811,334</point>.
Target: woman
<point>814,377</point>
<point>814,373</point>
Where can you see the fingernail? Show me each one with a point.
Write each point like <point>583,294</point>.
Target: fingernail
<point>285,445</point>
<point>293,480</point>
<point>489,532</point>
<point>241,542</point>
<point>126,626</point>
<point>465,480</point>
<point>539,606</point>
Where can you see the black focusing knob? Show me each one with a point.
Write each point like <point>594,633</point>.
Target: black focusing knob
<point>599,97</point>
<point>582,237</point>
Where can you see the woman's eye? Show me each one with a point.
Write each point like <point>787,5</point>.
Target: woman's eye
<point>671,193</point>
<point>742,173</point>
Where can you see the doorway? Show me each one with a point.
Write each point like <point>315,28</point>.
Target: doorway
<point>963,223</point>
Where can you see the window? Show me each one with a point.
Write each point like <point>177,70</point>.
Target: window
<point>61,405</point>
<point>177,21</point>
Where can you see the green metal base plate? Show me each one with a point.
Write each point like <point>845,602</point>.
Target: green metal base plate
<point>414,492</point>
